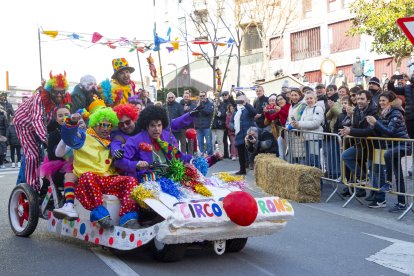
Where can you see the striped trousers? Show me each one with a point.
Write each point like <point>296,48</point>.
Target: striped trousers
<point>31,148</point>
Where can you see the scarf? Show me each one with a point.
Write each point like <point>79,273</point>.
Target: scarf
<point>104,141</point>
<point>385,111</point>
<point>237,118</point>
<point>169,150</point>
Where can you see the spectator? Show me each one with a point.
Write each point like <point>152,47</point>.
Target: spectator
<point>295,114</point>
<point>7,107</point>
<point>259,103</point>
<point>343,91</point>
<point>322,99</point>
<point>408,92</point>
<point>219,124</point>
<point>391,124</point>
<point>260,142</point>
<point>146,101</point>
<point>3,140</point>
<point>358,71</point>
<point>374,87</point>
<point>231,134</point>
<point>331,147</point>
<point>175,110</point>
<point>188,106</point>
<point>353,95</point>
<point>241,121</point>
<point>312,119</point>
<point>202,123</point>
<point>15,147</point>
<point>341,79</point>
<point>227,100</point>
<point>369,70</point>
<point>356,154</point>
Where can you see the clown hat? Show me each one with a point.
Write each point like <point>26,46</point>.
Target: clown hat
<point>57,82</point>
<point>95,105</point>
<point>120,64</point>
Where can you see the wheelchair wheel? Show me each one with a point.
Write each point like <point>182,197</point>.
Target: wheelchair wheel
<point>23,210</point>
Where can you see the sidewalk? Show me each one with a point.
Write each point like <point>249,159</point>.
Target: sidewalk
<point>378,217</point>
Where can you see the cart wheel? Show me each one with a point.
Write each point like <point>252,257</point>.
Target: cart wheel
<point>167,252</point>
<point>235,245</point>
<point>23,210</point>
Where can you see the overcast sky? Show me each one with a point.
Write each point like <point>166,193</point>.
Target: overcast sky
<point>19,53</point>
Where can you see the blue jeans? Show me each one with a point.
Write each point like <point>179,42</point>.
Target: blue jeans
<point>332,153</point>
<point>312,151</point>
<point>352,157</point>
<point>201,134</point>
<point>392,159</point>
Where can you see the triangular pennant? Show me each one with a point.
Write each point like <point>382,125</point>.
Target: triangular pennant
<point>96,37</point>
<point>52,34</point>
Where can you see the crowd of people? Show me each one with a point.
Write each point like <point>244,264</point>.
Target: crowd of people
<point>112,122</point>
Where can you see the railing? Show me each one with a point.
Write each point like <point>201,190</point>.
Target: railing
<point>376,164</point>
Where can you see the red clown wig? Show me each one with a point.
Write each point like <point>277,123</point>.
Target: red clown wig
<point>128,110</point>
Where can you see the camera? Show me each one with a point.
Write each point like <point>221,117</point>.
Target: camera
<point>250,137</point>
<point>239,102</point>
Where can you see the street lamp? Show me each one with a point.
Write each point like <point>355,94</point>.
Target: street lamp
<point>176,76</point>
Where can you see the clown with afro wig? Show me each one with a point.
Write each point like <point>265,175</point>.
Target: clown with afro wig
<point>94,167</point>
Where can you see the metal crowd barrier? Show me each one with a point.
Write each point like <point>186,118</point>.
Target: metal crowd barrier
<point>373,162</point>
<point>317,149</point>
<point>367,157</point>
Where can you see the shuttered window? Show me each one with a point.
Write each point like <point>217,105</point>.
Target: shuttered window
<point>276,48</point>
<point>305,44</point>
<point>251,39</point>
<point>339,41</point>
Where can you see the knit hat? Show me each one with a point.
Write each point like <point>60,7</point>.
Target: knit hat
<point>374,80</point>
<point>120,64</point>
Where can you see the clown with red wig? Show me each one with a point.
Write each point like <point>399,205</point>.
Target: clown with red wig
<point>31,118</point>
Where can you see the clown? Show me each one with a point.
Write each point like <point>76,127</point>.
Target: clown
<point>31,118</point>
<point>93,166</point>
<point>121,87</point>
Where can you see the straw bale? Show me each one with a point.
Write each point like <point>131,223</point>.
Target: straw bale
<point>291,181</point>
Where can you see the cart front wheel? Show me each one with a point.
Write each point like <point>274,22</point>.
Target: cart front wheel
<point>235,245</point>
<point>23,210</point>
<point>167,252</point>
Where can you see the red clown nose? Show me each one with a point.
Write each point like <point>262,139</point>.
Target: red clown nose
<point>191,134</point>
<point>241,208</point>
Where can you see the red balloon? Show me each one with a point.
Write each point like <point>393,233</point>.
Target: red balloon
<point>145,147</point>
<point>241,208</point>
<point>191,133</point>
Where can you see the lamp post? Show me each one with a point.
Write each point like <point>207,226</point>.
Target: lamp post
<point>176,76</point>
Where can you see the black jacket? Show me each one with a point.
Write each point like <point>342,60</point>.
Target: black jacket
<point>259,104</point>
<point>203,118</point>
<point>408,92</point>
<point>392,125</point>
<point>4,123</point>
<point>11,135</point>
<point>8,108</point>
<point>220,121</point>
<point>174,110</point>
<point>360,126</point>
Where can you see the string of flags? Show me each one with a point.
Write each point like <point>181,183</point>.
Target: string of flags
<point>134,44</point>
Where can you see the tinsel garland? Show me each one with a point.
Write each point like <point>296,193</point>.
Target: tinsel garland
<point>177,170</point>
<point>197,187</point>
<point>169,187</point>
<point>140,193</point>
<point>201,164</point>
<point>191,172</point>
<point>226,177</point>
<point>217,182</point>
<point>106,91</point>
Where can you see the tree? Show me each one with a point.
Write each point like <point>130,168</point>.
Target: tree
<point>270,18</point>
<point>378,19</point>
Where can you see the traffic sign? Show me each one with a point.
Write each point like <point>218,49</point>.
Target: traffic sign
<point>407,26</point>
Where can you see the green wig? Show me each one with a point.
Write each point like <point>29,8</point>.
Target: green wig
<point>103,113</point>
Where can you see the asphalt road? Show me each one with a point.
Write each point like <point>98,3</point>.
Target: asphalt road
<point>322,239</point>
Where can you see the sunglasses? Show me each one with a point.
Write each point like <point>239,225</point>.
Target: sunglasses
<point>202,96</point>
<point>124,123</point>
<point>61,92</point>
<point>225,95</point>
<point>353,95</point>
<point>105,125</point>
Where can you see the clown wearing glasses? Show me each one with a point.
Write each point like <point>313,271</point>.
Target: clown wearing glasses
<point>94,167</point>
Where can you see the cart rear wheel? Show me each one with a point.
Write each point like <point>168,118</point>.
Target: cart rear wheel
<point>167,252</point>
<point>23,210</point>
<point>235,245</point>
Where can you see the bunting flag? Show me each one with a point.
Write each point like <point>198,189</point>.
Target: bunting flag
<point>196,54</point>
<point>170,49</point>
<point>159,40</point>
<point>230,42</point>
<point>96,37</point>
<point>200,42</point>
<point>175,44</point>
<point>52,34</point>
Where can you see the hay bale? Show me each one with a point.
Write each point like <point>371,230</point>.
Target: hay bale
<point>299,183</point>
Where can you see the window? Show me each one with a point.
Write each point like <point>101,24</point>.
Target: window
<point>251,38</point>
<point>305,44</point>
<point>276,48</point>
<point>314,76</point>
<point>334,5</point>
<point>307,8</point>
<point>339,41</point>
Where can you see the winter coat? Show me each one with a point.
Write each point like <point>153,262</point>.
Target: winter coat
<point>219,122</point>
<point>266,143</point>
<point>359,125</point>
<point>246,121</point>
<point>332,116</point>
<point>408,92</point>
<point>312,120</point>
<point>174,110</point>
<point>228,122</point>
<point>4,123</point>
<point>375,96</point>
<point>358,69</point>
<point>11,135</point>
<point>259,104</point>
<point>280,115</point>
<point>342,120</point>
<point>190,103</point>
<point>295,111</point>
<point>80,99</point>
<point>203,118</point>
<point>392,124</point>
